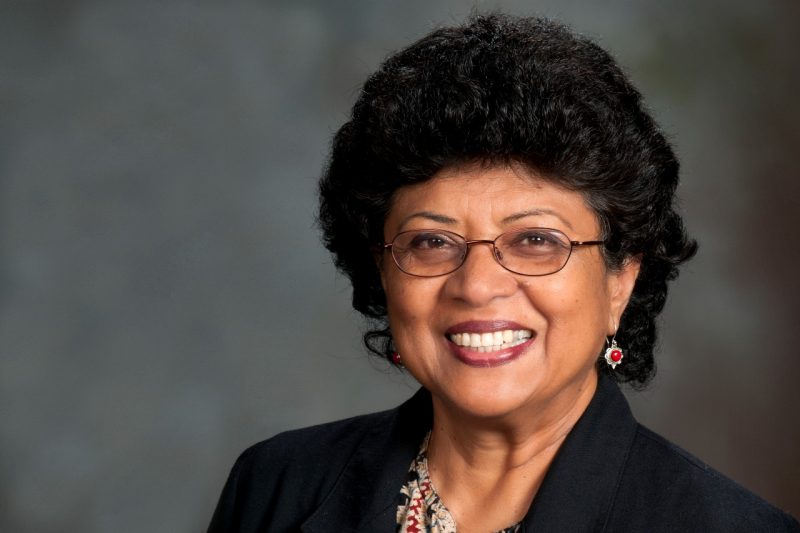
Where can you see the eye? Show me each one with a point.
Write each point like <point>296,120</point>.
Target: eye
<point>430,241</point>
<point>536,242</point>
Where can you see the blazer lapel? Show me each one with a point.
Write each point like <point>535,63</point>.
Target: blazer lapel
<point>365,497</point>
<point>579,488</point>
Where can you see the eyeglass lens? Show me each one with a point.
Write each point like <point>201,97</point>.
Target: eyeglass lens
<point>529,251</point>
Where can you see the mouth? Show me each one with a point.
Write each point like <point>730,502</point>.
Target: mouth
<point>491,341</point>
<point>488,343</point>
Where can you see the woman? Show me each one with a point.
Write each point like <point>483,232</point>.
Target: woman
<point>504,208</point>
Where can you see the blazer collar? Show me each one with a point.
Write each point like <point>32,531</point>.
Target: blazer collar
<point>576,495</point>
<point>366,495</point>
<point>578,491</point>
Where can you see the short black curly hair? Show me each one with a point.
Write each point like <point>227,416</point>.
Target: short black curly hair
<point>505,90</point>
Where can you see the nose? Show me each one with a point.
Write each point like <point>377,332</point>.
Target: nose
<point>481,278</point>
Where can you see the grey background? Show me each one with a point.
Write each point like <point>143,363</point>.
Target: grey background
<point>165,301</point>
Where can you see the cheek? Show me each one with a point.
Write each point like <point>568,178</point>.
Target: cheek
<point>556,298</point>
<point>411,302</point>
<point>398,301</point>
<point>575,307</point>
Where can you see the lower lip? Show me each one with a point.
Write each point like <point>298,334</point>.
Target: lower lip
<point>488,359</point>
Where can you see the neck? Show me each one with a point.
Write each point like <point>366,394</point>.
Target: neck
<point>475,461</point>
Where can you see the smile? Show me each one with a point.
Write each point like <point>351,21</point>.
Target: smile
<point>491,341</point>
<point>488,343</point>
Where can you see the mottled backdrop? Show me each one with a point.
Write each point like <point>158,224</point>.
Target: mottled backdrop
<point>165,301</point>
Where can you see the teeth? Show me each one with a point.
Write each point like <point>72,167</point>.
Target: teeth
<point>474,340</point>
<point>487,339</point>
<point>491,342</point>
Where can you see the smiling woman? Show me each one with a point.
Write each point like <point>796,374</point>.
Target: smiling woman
<point>504,208</point>
<point>564,313</point>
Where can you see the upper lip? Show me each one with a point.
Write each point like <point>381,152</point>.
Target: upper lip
<point>484,326</point>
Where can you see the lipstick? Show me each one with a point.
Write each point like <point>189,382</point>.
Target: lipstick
<point>488,343</point>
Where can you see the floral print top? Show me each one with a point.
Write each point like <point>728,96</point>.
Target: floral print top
<point>421,510</point>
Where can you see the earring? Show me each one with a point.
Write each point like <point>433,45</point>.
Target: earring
<point>396,359</point>
<point>613,352</point>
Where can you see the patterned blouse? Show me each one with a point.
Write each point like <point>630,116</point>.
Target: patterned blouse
<point>421,510</point>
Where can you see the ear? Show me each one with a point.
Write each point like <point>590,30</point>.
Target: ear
<point>620,285</point>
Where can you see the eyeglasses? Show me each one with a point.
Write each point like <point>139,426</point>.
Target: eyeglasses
<point>530,251</point>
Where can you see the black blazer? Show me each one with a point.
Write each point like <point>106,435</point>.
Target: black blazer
<point>611,474</point>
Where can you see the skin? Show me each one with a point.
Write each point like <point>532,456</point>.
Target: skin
<point>496,429</point>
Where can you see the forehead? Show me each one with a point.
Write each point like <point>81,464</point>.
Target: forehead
<point>480,198</point>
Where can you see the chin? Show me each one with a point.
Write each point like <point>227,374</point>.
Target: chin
<point>491,397</point>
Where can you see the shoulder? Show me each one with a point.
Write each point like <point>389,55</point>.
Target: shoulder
<point>670,487</point>
<point>324,443</point>
<point>282,480</point>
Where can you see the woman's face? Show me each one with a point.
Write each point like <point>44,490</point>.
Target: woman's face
<point>558,322</point>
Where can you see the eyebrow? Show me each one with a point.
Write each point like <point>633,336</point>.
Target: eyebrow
<point>442,219</point>
<point>536,212</point>
<point>427,215</point>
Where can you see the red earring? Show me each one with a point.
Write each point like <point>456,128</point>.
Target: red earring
<point>396,359</point>
<point>613,352</point>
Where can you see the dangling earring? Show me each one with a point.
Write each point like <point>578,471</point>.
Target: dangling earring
<point>396,359</point>
<point>613,352</point>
